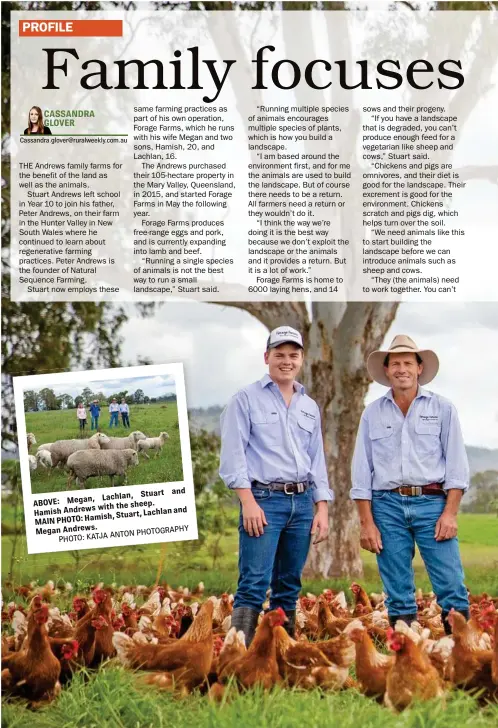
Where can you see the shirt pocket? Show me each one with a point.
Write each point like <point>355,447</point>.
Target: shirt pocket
<point>306,425</point>
<point>383,443</point>
<point>262,417</point>
<point>428,438</point>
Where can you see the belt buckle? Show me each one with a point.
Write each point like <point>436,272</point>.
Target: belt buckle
<point>416,490</point>
<point>287,492</point>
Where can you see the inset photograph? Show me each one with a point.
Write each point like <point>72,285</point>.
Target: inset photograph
<point>99,433</point>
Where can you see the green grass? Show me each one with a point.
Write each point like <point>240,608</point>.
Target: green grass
<point>149,419</point>
<point>112,699</point>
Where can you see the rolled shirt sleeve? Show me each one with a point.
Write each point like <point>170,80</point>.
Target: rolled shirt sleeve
<point>321,491</point>
<point>235,430</point>
<point>362,465</point>
<point>455,455</point>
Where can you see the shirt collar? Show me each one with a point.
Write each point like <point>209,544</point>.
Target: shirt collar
<point>421,392</point>
<point>267,380</point>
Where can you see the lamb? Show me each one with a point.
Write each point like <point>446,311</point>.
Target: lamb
<point>32,462</point>
<point>152,443</point>
<point>31,440</point>
<point>62,449</point>
<point>85,464</point>
<point>44,458</point>
<point>123,443</point>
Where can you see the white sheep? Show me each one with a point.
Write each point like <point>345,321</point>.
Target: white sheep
<point>46,446</point>
<point>31,440</point>
<point>32,462</point>
<point>85,464</point>
<point>44,458</point>
<point>152,443</point>
<point>123,443</point>
<point>62,449</point>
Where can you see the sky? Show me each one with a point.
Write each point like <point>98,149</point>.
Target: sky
<point>151,386</point>
<point>222,350</point>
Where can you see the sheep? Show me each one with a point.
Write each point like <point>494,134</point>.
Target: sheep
<point>31,440</point>
<point>46,446</point>
<point>44,458</point>
<point>152,443</point>
<point>85,464</point>
<point>32,462</point>
<point>62,449</point>
<point>123,443</point>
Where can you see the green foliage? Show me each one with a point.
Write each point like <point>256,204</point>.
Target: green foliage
<point>484,492</point>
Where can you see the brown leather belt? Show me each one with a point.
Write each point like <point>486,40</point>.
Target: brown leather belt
<point>429,489</point>
<point>287,488</point>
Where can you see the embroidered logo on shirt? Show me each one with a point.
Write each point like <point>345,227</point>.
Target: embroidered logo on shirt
<point>308,414</point>
<point>429,418</point>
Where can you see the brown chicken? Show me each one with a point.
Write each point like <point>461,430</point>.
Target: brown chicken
<point>186,661</point>
<point>258,666</point>
<point>296,659</point>
<point>470,666</point>
<point>412,675</point>
<point>223,609</point>
<point>362,599</point>
<point>339,650</point>
<point>34,671</point>
<point>371,666</point>
<point>130,619</point>
<point>104,648</point>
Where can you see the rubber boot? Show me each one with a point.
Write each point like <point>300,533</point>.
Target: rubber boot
<point>447,625</point>
<point>290,625</point>
<point>245,619</point>
<point>408,618</point>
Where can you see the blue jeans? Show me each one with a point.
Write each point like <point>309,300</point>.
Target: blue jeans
<point>114,419</point>
<point>404,521</point>
<point>95,423</point>
<point>126,419</point>
<point>277,557</point>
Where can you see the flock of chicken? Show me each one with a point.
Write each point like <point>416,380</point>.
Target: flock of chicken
<point>185,642</point>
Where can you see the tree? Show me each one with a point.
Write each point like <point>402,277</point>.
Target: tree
<point>49,399</point>
<point>138,396</point>
<point>31,400</point>
<point>87,394</point>
<point>67,401</point>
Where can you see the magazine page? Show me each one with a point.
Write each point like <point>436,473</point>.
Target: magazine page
<point>249,350</point>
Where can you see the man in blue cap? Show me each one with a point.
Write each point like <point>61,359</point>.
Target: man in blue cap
<point>272,456</point>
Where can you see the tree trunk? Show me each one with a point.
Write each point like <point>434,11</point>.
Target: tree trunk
<point>338,339</point>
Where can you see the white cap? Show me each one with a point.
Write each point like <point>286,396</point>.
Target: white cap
<point>284,335</point>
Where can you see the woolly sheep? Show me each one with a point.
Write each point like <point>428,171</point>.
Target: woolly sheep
<point>84,464</point>
<point>152,443</point>
<point>47,446</point>
<point>32,462</point>
<point>44,458</point>
<point>62,449</point>
<point>123,443</point>
<point>31,440</point>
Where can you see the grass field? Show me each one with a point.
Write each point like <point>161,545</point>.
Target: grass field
<point>112,698</point>
<point>150,419</point>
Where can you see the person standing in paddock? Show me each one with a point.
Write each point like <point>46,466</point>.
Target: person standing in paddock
<point>81,415</point>
<point>272,456</point>
<point>114,412</point>
<point>409,473</point>
<point>125,413</point>
<point>95,414</point>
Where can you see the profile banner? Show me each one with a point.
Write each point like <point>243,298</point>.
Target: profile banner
<point>74,28</point>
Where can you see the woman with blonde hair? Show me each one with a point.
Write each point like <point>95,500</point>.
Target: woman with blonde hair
<point>35,122</point>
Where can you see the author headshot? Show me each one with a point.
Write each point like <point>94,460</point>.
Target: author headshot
<point>35,122</point>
